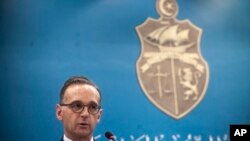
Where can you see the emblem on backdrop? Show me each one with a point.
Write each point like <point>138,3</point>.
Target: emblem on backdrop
<point>171,70</point>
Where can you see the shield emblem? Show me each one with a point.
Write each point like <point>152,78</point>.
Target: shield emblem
<point>171,70</point>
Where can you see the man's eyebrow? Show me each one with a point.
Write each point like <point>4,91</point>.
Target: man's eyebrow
<point>78,101</point>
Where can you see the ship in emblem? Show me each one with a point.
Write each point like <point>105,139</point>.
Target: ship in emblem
<point>171,71</point>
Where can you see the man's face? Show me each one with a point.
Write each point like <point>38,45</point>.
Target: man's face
<point>79,125</point>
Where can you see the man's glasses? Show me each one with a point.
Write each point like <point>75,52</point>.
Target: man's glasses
<point>78,107</point>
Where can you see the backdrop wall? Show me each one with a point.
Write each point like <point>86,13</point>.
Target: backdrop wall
<point>43,42</point>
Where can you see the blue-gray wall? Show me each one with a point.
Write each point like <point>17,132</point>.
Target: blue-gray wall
<point>43,42</point>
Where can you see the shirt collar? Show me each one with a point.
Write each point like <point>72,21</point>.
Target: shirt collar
<point>65,138</point>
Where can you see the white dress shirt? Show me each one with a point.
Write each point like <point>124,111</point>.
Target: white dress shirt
<point>65,138</point>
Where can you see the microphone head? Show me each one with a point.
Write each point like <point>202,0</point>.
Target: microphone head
<point>109,135</point>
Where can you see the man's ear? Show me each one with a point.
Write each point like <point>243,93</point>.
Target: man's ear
<point>99,116</point>
<point>58,112</point>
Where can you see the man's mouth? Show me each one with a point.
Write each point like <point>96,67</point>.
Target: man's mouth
<point>83,124</point>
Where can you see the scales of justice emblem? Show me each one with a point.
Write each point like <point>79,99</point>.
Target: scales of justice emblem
<point>171,71</point>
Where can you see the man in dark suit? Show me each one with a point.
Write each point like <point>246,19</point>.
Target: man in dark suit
<point>79,109</point>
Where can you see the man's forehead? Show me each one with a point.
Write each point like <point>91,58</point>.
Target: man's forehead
<point>82,87</point>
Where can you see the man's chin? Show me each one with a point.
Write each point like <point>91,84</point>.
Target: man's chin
<point>83,132</point>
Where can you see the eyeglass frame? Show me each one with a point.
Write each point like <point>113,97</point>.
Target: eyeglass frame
<point>70,105</point>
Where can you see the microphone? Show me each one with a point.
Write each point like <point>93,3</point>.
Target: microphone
<point>110,136</point>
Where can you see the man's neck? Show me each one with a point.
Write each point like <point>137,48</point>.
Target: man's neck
<point>65,138</point>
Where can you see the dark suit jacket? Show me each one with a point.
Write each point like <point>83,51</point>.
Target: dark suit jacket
<point>62,139</point>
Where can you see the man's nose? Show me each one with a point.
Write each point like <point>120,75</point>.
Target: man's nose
<point>85,111</point>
